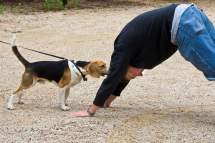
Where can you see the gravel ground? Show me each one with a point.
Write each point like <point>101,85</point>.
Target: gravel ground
<point>171,103</point>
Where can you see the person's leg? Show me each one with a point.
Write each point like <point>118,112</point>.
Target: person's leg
<point>209,25</point>
<point>195,41</point>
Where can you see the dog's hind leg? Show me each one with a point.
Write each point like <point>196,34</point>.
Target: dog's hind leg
<point>27,81</point>
<point>62,96</point>
<point>10,99</point>
<point>10,102</point>
<point>20,98</point>
<point>66,95</point>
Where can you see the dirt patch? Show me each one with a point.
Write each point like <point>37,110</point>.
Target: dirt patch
<point>154,108</point>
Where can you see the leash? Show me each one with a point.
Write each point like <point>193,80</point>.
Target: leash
<point>35,51</point>
<point>51,55</point>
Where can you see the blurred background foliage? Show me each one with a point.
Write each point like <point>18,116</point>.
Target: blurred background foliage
<point>25,6</point>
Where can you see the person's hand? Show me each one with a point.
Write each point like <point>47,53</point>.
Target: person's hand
<point>81,114</point>
<point>89,113</point>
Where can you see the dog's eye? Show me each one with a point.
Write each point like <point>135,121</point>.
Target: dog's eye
<point>102,66</point>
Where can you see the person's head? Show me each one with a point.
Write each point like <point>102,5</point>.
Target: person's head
<point>133,72</point>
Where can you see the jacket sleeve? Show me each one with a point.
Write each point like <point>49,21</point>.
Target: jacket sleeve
<point>120,87</point>
<point>118,68</point>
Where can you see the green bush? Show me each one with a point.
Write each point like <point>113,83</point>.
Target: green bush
<point>60,4</point>
<point>2,8</point>
<point>73,3</point>
<point>53,4</point>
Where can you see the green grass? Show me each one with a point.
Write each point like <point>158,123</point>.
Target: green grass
<point>44,5</point>
<point>53,5</point>
<point>2,8</point>
<point>26,6</point>
<point>73,3</point>
<point>58,4</point>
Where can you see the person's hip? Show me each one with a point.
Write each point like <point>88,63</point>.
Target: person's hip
<point>196,41</point>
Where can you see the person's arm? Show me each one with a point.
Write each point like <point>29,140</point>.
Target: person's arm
<point>116,93</point>
<point>118,68</point>
<point>120,87</point>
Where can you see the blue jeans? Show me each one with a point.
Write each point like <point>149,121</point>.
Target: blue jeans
<point>196,41</point>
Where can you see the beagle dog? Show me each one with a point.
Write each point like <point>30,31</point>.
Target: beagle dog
<point>63,73</point>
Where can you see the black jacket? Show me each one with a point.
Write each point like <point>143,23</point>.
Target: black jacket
<point>144,42</point>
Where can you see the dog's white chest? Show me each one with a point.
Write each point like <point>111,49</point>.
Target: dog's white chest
<point>75,74</point>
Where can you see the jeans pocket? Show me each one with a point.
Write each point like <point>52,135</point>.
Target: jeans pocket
<point>192,22</point>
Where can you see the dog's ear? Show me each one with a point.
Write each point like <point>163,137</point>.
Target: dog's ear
<point>82,63</point>
<point>92,69</point>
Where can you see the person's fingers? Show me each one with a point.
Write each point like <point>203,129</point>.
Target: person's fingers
<point>80,114</point>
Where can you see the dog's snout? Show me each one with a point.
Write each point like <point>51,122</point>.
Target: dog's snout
<point>104,73</point>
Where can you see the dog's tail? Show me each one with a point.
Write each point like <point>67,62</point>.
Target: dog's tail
<point>16,52</point>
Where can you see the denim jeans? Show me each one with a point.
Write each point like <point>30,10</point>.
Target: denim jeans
<point>196,41</point>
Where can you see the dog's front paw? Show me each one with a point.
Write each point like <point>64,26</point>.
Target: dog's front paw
<point>10,107</point>
<point>65,108</point>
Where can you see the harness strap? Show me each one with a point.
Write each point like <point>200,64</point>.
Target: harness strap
<point>83,76</point>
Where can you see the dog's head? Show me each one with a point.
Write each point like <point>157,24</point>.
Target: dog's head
<point>96,68</point>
